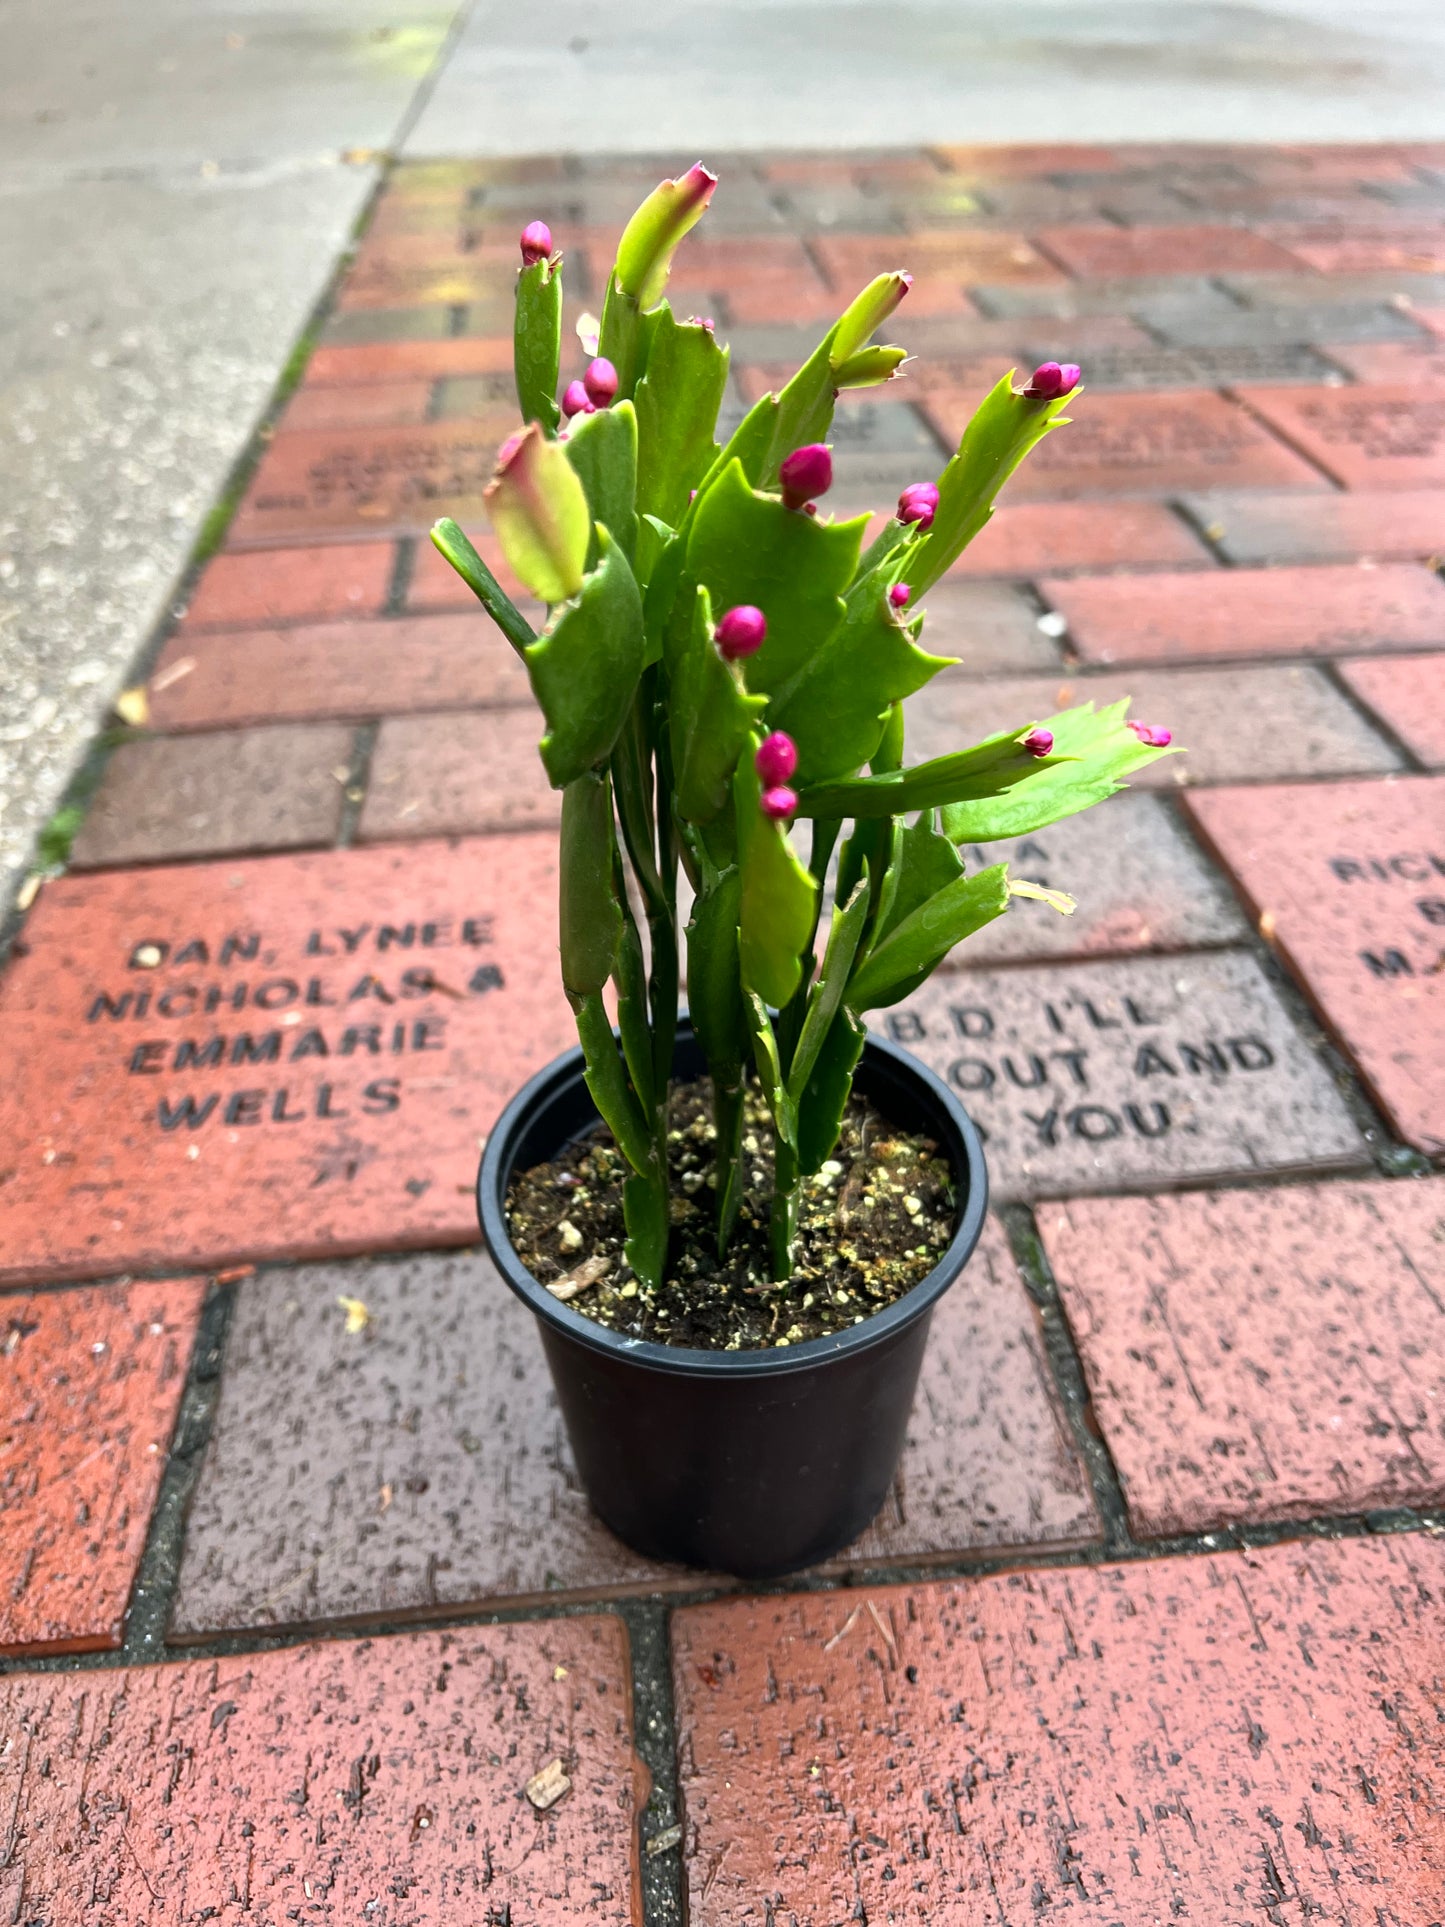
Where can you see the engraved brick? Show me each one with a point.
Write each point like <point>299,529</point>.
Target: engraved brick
<point>368,1781</point>
<point>1351,878</point>
<point>1261,1354</point>
<point>92,1382</point>
<point>269,1056</point>
<point>1365,437</point>
<point>1409,696</point>
<point>1151,1071</point>
<point>277,788</point>
<point>1319,611</point>
<point>345,483</point>
<point>1154,1741</point>
<point>1248,723</point>
<point>423,1463</point>
<point>353,669</point>
<point>1139,881</point>
<point>1199,249</point>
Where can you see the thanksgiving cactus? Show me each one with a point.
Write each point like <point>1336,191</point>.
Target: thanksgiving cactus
<point>722,664</point>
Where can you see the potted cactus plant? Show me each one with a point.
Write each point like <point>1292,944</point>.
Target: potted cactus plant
<point>733,1291</point>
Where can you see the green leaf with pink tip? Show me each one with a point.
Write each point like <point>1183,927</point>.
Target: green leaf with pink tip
<point>745,547</point>
<point>538,508</point>
<point>677,401</point>
<point>1094,752</point>
<point>1004,428</point>
<point>537,342</point>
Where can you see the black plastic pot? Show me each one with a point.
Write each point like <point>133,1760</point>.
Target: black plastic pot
<point>752,1463</point>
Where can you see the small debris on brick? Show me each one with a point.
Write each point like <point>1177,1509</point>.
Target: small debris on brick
<point>547,1787</point>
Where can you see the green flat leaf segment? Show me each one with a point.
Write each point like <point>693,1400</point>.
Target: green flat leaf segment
<point>985,769</point>
<point>778,897</point>
<point>1004,428</point>
<point>602,449</point>
<point>916,946</point>
<point>1093,754</point>
<point>677,402</point>
<point>836,705</point>
<point>537,342</point>
<point>745,547</point>
<point>538,508</point>
<point>585,667</point>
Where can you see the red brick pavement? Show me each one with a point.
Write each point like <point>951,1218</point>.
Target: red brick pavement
<point>1243,526</point>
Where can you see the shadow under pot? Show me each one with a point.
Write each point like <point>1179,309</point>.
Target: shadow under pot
<point>750,1462</point>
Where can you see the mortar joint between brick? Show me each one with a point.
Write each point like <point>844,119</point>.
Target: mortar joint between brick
<point>153,1594</point>
<point>1414,765</point>
<point>1070,1380</point>
<point>358,778</point>
<point>655,1739</point>
<point>403,569</point>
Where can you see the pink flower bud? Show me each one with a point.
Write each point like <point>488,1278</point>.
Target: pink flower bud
<point>1155,738</point>
<point>600,382</point>
<point>1038,742</point>
<point>536,243</point>
<point>779,802</point>
<point>577,401</point>
<point>806,472</point>
<point>919,503</point>
<point>1050,380</point>
<point>776,759</point>
<point>898,595</point>
<point>742,632</point>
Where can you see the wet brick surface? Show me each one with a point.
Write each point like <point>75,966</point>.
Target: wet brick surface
<point>1351,880</point>
<point>1392,525</point>
<point>1409,696</point>
<point>1227,721</point>
<point>1200,1739</point>
<point>90,1384</point>
<point>1251,613</point>
<point>351,669</point>
<point>373,1781</point>
<point>278,787</point>
<point>421,1463</point>
<point>1262,1355</point>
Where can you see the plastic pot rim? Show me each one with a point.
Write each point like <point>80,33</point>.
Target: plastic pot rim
<point>686,1361</point>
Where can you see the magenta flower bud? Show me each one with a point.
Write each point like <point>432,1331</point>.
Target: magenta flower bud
<point>600,382</point>
<point>742,632</point>
<point>779,802</point>
<point>577,401</point>
<point>1050,380</point>
<point>898,595</point>
<point>806,472</point>
<point>1038,742</point>
<point>919,503</point>
<point>1155,738</point>
<point>536,243</point>
<point>776,759</point>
